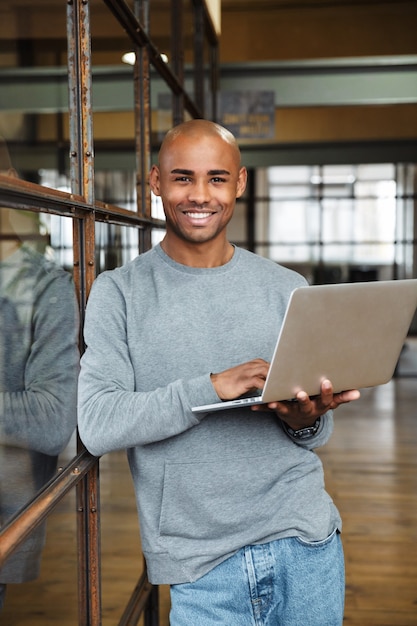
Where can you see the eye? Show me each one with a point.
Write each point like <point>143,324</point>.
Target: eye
<point>218,179</point>
<point>182,179</point>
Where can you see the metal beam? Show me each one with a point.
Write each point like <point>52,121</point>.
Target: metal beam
<point>357,81</point>
<point>337,82</point>
<point>19,528</point>
<point>312,153</point>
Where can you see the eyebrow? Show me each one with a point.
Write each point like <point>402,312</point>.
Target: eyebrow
<point>209,173</point>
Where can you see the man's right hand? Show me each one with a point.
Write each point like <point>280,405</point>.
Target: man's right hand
<point>237,381</point>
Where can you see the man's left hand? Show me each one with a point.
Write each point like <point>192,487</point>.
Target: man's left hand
<point>304,410</point>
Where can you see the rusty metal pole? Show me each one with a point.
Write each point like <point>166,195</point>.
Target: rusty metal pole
<point>142,79</point>
<point>199,29</point>
<point>82,183</point>
<point>18,529</point>
<point>177,61</point>
<point>214,80</point>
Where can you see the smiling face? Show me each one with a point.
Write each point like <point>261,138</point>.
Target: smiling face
<point>198,179</point>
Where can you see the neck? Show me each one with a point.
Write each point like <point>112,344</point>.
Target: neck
<point>207,254</point>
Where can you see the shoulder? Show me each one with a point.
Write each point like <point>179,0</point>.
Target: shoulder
<point>123,280</point>
<point>124,272</point>
<point>268,270</point>
<point>43,271</point>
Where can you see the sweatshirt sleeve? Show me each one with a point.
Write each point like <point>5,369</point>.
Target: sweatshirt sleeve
<point>112,414</point>
<point>38,412</point>
<point>322,435</point>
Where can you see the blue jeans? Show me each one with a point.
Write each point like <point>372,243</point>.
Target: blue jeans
<point>288,582</point>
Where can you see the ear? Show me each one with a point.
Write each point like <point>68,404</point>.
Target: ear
<point>154,180</point>
<point>241,181</point>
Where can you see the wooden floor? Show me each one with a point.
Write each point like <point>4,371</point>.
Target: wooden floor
<point>371,472</point>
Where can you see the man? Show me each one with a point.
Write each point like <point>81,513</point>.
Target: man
<point>232,507</point>
<point>39,361</point>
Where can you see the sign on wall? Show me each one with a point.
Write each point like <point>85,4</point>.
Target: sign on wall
<point>248,114</point>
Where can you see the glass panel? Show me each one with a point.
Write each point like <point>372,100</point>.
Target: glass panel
<point>38,354</point>
<point>405,256</point>
<point>373,254</point>
<point>293,214</point>
<point>188,33</point>
<point>115,245</point>
<point>289,175</point>
<point>113,112</point>
<point>160,28</point>
<point>34,38</point>
<point>237,227</point>
<point>283,253</point>
<point>117,187</point>
<point>208,100</point>
<point>338,174</point>
<point>33,34</point>
<point>53,597</point>
<point>39,358</point>
<point>338,216</point>
<point>162,117</point>
<point>356,218</point>
<point>335,190</point>
<point>122,561</point>
<point>375,220</point>
<point>333,181</point>
<point>375,171</point>
<point>157,212</point>
<point>284,191</point>
<point>293,223</point>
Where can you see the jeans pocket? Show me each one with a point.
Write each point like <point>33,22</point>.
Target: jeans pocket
<point>321,543</point>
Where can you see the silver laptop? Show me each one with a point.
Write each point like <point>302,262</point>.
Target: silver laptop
<point>350,333</point>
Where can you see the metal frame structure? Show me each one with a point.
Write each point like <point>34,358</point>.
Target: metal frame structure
<point>82,473</point>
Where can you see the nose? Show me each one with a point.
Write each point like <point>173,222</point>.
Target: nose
<point>199,193</point>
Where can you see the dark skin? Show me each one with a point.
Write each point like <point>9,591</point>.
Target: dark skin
<point>198,177</point>
<point>300,414</point>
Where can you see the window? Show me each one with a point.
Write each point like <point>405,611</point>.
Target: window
<point>345,215</point>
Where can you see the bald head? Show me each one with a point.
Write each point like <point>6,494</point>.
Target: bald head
<point>199,129</point>
<point>198,178</point>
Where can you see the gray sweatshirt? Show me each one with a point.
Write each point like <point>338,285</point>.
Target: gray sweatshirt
<point>39,362</point>
<point>206,484</point>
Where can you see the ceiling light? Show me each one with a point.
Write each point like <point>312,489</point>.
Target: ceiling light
<point>130,57</point>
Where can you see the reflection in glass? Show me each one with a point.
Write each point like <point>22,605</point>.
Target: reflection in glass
<point>157,212</point>
<point>38,373</point>
<point>33,34</point>
<point>51,599</point>
<point>115,245</point>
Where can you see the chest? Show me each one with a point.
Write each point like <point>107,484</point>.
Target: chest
<point>187,327</point>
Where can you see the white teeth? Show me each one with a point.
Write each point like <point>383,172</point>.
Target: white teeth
<point>197,216</point>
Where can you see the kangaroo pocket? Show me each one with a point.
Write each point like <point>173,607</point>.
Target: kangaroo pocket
<point>215,507</point>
